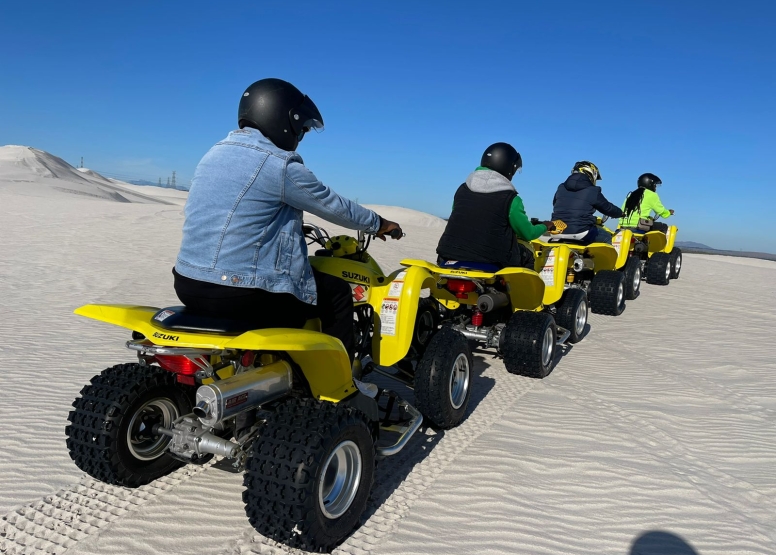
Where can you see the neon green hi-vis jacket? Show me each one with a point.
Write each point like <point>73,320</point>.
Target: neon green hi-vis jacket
<point>650,202</point>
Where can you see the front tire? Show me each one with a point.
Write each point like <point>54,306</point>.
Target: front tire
<point>659,269</point>
<point>528,344</point>
<point>572,313</point>
<point>309,474</point>
<point>632,278</point>
<point>110,434</point>
<point>443,379</point>
<point>676,262</point>
<point>607,293</point>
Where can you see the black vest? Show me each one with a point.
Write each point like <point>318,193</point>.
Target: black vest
<point>478,229</point>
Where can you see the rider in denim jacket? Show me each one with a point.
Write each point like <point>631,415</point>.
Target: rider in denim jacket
<point>243,254</point>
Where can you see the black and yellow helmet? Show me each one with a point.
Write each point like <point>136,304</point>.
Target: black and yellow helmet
<point>589,169</point>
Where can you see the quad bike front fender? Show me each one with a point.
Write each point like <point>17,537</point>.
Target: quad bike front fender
<point>552,263</point>
<point>622,243</point>
<point>670,238</point>
<point>395,304</point>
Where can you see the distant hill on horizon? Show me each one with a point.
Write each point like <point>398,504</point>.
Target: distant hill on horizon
<point>692,247</point>
<point>39,173</point>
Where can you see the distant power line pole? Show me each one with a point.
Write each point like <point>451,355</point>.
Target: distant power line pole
<point>168,181</point>
<point>160,182</point>
<point>82,161</point>
<point>173,179</point>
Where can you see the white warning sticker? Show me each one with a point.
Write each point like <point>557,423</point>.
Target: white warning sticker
<point>548,271</point>
<point>388,311</point>
<point>617,242</point>
<point>397,285</point>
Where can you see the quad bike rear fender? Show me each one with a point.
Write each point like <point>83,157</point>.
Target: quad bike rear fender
<point>656,241</point>
<point>525,287</point>
<point>604,255</point>
<point>323,358</point>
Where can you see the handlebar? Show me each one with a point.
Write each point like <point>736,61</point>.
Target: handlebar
<point>397,234</point>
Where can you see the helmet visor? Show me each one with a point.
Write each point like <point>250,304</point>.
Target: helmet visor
<point>305,117</point>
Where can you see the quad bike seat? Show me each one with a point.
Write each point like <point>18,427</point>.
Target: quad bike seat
<point>574,238</point>
<point>478,266</point>
<point>184,319</point>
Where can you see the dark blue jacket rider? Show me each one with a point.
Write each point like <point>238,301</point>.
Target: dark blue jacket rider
<point>576,201</point>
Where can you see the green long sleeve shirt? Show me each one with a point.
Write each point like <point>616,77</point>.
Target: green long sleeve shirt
<point>520,223</point>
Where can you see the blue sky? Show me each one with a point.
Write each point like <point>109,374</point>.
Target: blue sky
<point>413,92</point>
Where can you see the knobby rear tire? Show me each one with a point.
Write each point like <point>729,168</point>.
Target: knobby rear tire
<point>285,478</point>
<point>109,436</point>
<point>527,345</point>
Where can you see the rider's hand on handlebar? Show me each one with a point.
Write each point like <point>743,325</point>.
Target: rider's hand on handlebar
<point>549,225</point>
<point>672,212</point>
<point>387,227</point>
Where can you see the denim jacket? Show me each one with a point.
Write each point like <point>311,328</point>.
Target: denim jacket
<point>243,217</point>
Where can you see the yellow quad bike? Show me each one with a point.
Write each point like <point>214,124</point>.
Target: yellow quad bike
<point>309,462</point>
<point>397,331</point>
<point>505,309</point>
<point>659,261</point>
<point>630,265</point>
<point>567,265</point>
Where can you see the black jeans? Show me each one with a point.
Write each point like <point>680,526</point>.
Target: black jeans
<point>263,309</point>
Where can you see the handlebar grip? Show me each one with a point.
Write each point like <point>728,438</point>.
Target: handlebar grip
<point>397,233</point>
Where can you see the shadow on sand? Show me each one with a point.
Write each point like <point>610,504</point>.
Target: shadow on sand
<point>657,542</point>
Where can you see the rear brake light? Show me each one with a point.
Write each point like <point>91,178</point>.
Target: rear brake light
<point>177,364</point>
<point>460,287</point>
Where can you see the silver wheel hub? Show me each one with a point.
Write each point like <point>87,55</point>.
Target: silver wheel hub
<point>142,442</point>
<point>668,271</point>
<point>340,478</point>
<point>548,346</point>
<point>459,380</point>
<point>581,318</point>
<point>620,293</point>
<point>636,279</point>
<point>678,264</point>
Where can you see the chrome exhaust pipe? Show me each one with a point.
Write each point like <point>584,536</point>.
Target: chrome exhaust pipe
<point>226,398</point>
<point>492,301</point>
<point>583,264</point>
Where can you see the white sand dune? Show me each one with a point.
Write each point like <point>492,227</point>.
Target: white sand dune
<point>31,172</point>
<point>656,434</point>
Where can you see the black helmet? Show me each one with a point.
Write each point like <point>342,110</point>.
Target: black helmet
<point>502,158</point>
<point>280,111</point>
<point>589,169</point>
<point>649,181</point>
